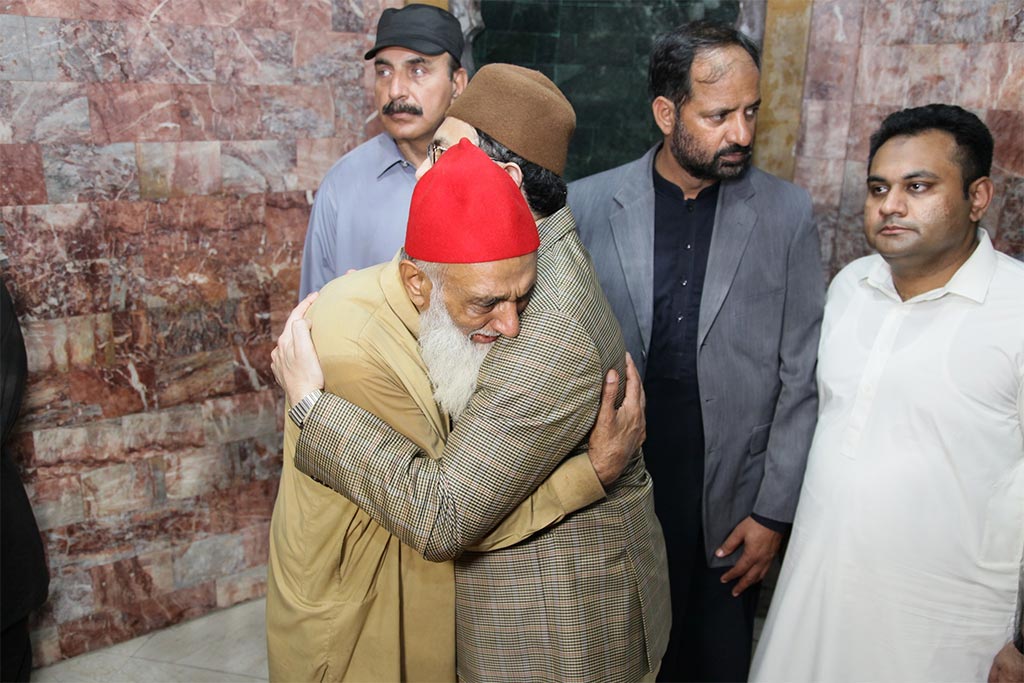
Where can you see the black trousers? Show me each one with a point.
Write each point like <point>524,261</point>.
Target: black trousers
<point>712,632</point>
<point>15,652</point>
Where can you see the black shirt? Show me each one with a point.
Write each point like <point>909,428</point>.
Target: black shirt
<point>682,240</point>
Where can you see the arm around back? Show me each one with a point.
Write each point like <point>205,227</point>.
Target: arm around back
<point>535,401</point>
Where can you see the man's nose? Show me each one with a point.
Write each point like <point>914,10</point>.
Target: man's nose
<point>397,87</point>
<point>506,319</point>
<point>741,132</point>
<point>894,203</point>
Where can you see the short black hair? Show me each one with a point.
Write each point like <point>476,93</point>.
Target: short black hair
<point>453,65</point>
<point>668,74</point>
<point>973,138</point>
<point>545,190</point>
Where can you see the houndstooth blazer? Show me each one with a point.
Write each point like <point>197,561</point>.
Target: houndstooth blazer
<point>585,600</point>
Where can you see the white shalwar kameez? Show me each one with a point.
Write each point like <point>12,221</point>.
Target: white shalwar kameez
<point>907,542</point>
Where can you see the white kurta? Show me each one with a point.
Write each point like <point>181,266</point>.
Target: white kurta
<point>907,542</point>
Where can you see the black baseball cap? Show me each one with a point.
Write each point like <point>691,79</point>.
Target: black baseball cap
<point>421,28</point>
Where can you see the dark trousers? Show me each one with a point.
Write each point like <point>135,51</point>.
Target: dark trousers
<point>712,632</point>
<point>15,652</point>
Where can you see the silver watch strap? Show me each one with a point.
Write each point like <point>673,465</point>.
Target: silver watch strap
<point>300,410</point>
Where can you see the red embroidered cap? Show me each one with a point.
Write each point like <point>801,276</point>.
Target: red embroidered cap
<point>466,209</point>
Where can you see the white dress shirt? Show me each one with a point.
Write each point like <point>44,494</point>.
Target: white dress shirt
<point>908,536</point>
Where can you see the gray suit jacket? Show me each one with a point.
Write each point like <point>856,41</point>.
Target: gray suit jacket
<point>757,335</point>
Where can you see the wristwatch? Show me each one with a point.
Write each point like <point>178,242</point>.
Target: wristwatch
<point>300,410</point>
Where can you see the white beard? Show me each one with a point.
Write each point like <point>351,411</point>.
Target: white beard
<point>453,360</point>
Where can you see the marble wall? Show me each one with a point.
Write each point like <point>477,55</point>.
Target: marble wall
<point>157,162</point>
<point>868,58</point>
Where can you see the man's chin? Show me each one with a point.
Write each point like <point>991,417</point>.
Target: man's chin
<point>402,126</point>
<point>728,170</point>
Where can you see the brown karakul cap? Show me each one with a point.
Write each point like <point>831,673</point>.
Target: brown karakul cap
<point>522,109</point>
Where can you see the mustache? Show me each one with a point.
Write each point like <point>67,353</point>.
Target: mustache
<point>734,149</point>
<point>396,107</point>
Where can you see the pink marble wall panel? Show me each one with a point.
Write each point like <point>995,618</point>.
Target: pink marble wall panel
<point>289,110</point>
<point>259,166</point>
<point>1007,128</point>
<point>1010,237</point>
<point>82,173</point>
<point>257,55</point>
<point>22,181</point>
<point>178,169</point>
<point>41,8</point>
<point>57,501</point>
<point>138,578</point>
<point>14,57</point>
<point>169,53</point>
<point>159,157</point>
<point>43,112</point>
<point>241,587</point>
<point>869,58</point>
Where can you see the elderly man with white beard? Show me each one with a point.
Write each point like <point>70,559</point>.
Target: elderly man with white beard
<point>346,599</point>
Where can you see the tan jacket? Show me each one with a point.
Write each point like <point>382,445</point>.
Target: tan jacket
<point>346,600</point>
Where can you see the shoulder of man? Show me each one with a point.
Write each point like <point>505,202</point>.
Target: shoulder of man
<point>1014,268</point>
<point>359,160</point>
<point>852,273</point>
<point>777,189</point>
<point>348,308</point>
<point>611,177</point>
<point>1009,278</point>
<point>593,198</point>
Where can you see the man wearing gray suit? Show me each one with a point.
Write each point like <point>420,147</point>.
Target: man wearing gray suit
<point>713,270</point>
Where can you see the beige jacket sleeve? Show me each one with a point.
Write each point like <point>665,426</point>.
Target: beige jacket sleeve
<point>378,390</point>
<point>572,486</point>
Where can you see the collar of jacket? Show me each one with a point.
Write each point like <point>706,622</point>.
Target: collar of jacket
<point>398,298</point>
<point>554,227</point>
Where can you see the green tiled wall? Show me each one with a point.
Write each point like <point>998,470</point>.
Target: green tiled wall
<point>596,51</point>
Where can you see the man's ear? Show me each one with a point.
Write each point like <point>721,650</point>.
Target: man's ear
<point>980,193</point>
<point>664,111</point>
<point>513,170</point>
<point>459,80</point>
<point>417,285</point>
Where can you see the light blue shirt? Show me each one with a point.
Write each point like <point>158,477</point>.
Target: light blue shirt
<point>359,214</point>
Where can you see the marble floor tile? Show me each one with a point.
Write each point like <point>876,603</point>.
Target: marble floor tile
<point>232,641</point>
<point>94,666</point>
<point>228,646</point>
<point>163,672</point>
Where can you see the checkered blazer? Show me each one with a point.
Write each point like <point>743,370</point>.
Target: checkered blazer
<point>585,600</point>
